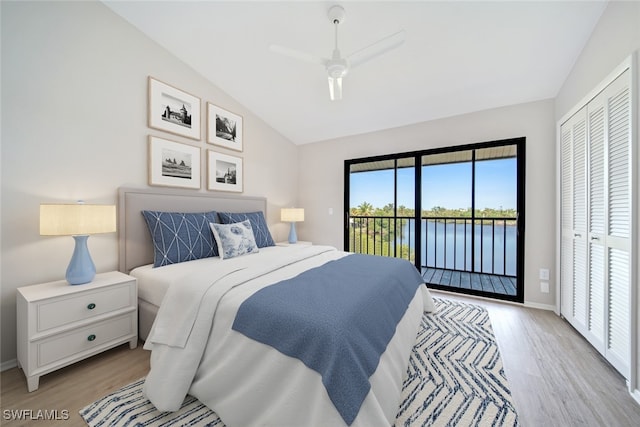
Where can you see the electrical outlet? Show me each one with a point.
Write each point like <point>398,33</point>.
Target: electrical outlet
<point>544,287</point>
<point>544,274</point>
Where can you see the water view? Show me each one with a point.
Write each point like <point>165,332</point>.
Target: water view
<point>451,247</point>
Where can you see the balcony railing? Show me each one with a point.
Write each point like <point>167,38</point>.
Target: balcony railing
<point>376,235</point>
<point>446,243</point>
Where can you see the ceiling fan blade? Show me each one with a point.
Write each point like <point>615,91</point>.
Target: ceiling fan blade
<point>335,88</point>
<point>292,53</point>
<point>378,48</point>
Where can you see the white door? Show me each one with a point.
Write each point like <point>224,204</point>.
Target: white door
<point>618,239</point>
<point>596,222</point>
<point>573,253</point>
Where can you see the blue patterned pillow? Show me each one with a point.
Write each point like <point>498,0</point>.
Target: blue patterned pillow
<point>179,237</point>
<point>234,239</point>
<point>258,223</point>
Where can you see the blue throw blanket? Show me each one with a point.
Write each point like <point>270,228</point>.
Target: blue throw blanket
<point>337,319</point>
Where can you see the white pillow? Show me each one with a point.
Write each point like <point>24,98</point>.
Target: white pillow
<point>234,239</point>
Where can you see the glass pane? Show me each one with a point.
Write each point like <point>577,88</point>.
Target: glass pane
<point>376,225</point>
<point>406,197</point>
<point>371,194</point>
<point>496,187</point>
<point>371,191</point>
<point>495,204</point>
<point>446,207</point>
<point>406,188</point>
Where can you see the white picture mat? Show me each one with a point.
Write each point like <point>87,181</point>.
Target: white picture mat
<point>159,91</point>
<point>158,146</point>
<point>212,112</point>
<point>218,161</point>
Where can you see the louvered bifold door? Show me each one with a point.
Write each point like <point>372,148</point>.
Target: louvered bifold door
<point>596,221</point>
<point>579,217</point>
<point>574,225</point>
<point>566,215</point>
<point>618,239</point>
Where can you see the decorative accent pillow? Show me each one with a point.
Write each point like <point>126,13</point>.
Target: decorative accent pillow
<point>234,239</point>
<point>258,224</point>
<point>179,237</point>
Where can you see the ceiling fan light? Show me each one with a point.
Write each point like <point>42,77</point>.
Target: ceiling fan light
<point>335,88</point>
<point>337,67</point>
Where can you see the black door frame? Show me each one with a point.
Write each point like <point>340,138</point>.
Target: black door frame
<point>520,205</point>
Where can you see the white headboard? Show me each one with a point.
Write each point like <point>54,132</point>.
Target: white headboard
<point>134,240</point>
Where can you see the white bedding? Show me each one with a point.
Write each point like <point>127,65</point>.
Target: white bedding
<point>154,282</point>
<point>248,383</point>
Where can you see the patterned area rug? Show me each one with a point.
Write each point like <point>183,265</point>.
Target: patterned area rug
<point>455,378</point>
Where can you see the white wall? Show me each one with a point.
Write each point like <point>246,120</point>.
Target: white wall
<point>616,36</point>
<point>322,175</point>
<point>74,114</point>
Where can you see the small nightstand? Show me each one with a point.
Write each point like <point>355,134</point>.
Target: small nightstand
<point>60,324</point>
<point>298,243</point>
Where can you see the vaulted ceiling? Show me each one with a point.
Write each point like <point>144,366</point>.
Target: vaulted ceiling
<point>458,57</point>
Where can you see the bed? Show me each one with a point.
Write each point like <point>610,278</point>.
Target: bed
<point>201,319</point>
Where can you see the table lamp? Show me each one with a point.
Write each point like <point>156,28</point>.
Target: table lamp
<point>292,215</point>
<point>78,220</point>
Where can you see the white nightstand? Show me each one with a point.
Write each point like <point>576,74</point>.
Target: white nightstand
<point>298,243</point>
<point>60,324</point>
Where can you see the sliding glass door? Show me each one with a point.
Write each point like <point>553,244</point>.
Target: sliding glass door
<point>458,216</point>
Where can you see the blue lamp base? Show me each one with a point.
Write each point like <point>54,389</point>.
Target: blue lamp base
<point>81,269</point>
<point>293,238</point>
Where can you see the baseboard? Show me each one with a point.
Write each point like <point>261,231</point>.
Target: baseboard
<point>9,364</point>
<point>536,305</point>
<point>548,307</point>
<point>636,395</point>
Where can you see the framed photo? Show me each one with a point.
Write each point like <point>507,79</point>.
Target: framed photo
<point>173,110</point>
<point>224,128</point>
<point>172,164</point>
<point>224,172</point>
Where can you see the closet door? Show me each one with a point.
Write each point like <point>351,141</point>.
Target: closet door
<point>596,219</point>
<point>566,224</point>
<point>573,253</point>
<point>618,238</point>
<point>596,325</point>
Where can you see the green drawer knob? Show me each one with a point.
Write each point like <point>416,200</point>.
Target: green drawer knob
<point>91,306</point>
<point>91,337</point>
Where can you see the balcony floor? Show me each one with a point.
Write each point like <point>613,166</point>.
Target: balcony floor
<point>493,283</point>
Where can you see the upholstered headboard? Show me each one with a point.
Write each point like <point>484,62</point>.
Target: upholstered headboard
<point>134,241</point>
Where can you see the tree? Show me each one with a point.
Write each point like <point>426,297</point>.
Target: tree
<point>365,209</point>
<point>376,234</point>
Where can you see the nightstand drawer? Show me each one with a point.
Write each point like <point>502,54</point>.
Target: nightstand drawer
<point>84,305</point>
<point>85,339</point>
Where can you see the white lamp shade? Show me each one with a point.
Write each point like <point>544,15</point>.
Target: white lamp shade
<point>76,219</point>
<point>292,215</point>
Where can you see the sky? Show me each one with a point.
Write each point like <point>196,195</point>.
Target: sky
<point>448,186</point>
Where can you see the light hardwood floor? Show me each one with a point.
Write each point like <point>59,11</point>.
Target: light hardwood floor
<point>556,377</point>
<point>73,387</point>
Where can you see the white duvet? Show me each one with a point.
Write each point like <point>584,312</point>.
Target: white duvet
<point>247,383</point>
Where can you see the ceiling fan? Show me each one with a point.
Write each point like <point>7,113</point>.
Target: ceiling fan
<point>337,66</point>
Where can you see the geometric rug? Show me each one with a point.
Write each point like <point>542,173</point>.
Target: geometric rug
<point>455,375</point>
<point>455,378</point>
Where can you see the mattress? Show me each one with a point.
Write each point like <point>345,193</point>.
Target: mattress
<point>154,282</point>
